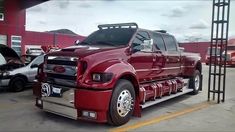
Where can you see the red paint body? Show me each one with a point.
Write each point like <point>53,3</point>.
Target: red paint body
<point>164,68</point>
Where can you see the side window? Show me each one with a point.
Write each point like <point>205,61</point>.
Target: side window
<point>142,42</point>
<point>158,42</point>
<point>38,60</point>
<point>170,43</point>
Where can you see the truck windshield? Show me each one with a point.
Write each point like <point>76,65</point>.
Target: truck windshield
<point>213,51</point>
<point>110,37</point>
<point>231,48</point>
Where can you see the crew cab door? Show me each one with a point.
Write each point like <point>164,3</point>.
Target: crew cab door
<point>142,57</point>
<point>159,55</point>
<point>173,57</point>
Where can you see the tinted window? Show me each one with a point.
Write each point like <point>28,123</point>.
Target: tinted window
<point>158,42</point>
<point>110,37</point>
<point>170,43</point>
<point>138,42</point>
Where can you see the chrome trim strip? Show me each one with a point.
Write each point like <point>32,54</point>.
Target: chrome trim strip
<point>63,58</point>
<point>144,95</point>
<point>156,69</point>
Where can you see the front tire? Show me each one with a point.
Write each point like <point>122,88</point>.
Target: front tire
<point>122,103</point>
<point>17,84</point>
<point>195,82</point>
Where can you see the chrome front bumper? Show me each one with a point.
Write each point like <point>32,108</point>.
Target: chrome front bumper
<point>59,109</point>
<point>63,105</point>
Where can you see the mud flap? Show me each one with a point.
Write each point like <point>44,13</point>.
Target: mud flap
<point>201,82</point>
<point>137,108</point>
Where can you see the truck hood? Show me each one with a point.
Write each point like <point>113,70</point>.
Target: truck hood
<point>82,51</point>
<point>8,52</point>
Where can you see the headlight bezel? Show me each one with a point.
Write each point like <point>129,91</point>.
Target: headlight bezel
<point>101,77</point>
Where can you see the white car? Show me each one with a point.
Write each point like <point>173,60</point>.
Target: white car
<point>13,73</point>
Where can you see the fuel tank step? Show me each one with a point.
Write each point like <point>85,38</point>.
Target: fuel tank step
<point>185,90</point>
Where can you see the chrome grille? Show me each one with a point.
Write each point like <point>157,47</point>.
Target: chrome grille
<point>68,76</point>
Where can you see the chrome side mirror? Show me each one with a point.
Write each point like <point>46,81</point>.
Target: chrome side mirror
<point>77,42</point>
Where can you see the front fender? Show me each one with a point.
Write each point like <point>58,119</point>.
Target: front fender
<point>117,67</point>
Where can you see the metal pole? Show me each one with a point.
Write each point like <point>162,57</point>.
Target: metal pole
<point>212,30</point>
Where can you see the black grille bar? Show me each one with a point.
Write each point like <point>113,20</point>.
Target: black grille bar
<point>61,76</point>
<point>60,62</point>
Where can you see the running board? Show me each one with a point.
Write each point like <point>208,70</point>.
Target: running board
<point>185,90</point>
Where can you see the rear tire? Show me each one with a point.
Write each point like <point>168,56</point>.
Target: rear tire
<point>17,84</point>
<point>195,82</point>
<point>122,103</point>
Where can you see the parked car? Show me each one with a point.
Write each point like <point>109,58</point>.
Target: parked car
<point>14,74</point>
<point>230,57</point>
<point>114,73</point>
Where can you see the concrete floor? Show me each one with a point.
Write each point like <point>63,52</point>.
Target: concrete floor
<point>18,113</point>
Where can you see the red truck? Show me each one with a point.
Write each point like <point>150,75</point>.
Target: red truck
<point>230,57</point>
<point>114,73</point>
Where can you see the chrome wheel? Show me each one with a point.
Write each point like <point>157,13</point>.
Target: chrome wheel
<point>197,82</point>
<point>125,103</point>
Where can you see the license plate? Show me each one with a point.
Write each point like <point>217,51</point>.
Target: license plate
<point>57,92</point>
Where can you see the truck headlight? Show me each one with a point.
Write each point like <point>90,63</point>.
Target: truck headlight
<point>102,77</point>
<point>96,77</point>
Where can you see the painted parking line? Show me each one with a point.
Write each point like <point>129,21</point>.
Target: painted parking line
<point>162,118</point>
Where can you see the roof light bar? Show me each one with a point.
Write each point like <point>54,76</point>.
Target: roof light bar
<point>118,25</point>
